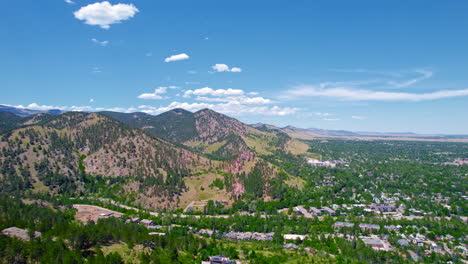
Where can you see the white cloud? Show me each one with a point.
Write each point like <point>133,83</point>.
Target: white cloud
<point>322,114</point>
<point>359,117</point>
<point>424,75</point>
<point>36,106</point>
<point>177,57</point>
<point>256,100</point>
<point>233,108</point>
<point>353,94</point>
<point>91,100</point>
<point>157,93</point>
<point>102,43</point>
<point>220,67</point>
<point>331,119</point>
<point>230,108</point>
<point>69,2</point>
<point>97,70</point>
<point>240,99</point>
<point>85,108</point>
<point>105,14</point>
<point>224,68</point>
<point>213,92</point>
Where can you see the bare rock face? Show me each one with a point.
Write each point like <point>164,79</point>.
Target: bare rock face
<point>238,165</point>
<point>212,126</point>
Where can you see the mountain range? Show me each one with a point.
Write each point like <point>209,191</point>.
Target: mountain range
<point>159,162</point>
<point>162,161</point>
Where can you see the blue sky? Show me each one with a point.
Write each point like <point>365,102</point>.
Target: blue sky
<point>356,65</point>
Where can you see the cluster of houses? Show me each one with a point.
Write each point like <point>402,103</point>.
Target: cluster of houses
<point>313,211</point>
<point>382,208</point>
<point>362,226</point>
<point>418,239</point>
<point>249,236</point>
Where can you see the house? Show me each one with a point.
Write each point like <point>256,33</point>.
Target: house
<point>383,208</point>
<point>328,210</point>
<point>133,220</point>
<point>147,222</point>
<point>302,211</point>
<point>290,246</point>
<point>369,227</point>
<point>343,224</point>
<point>393,227</point>
<point>315,211</point>
<point>403,242</point>
<point>374,242</point>
<point>220,259</point>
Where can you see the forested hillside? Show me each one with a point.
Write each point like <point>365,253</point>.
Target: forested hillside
<point>60,154</point>
<point>77,154</point>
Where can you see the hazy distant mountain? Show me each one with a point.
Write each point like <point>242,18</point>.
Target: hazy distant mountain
<point>314,133</point>
<point>28,112</point>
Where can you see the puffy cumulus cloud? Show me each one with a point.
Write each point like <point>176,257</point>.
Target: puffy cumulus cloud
<point>355,94</point>
<point>234,108</point>
<point>220,67</point>
<point>224,68</point>
<point>213,92</point>
<point>241,99</point>
<point>255,100</point>
<point>177,57</point>
<point>102,43</point>
<point>230,101</point>
<point>187,106</point>
<point>157,94</point>
<point>229,108</point>
<point>105,14</point>
<point>36,106</point>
